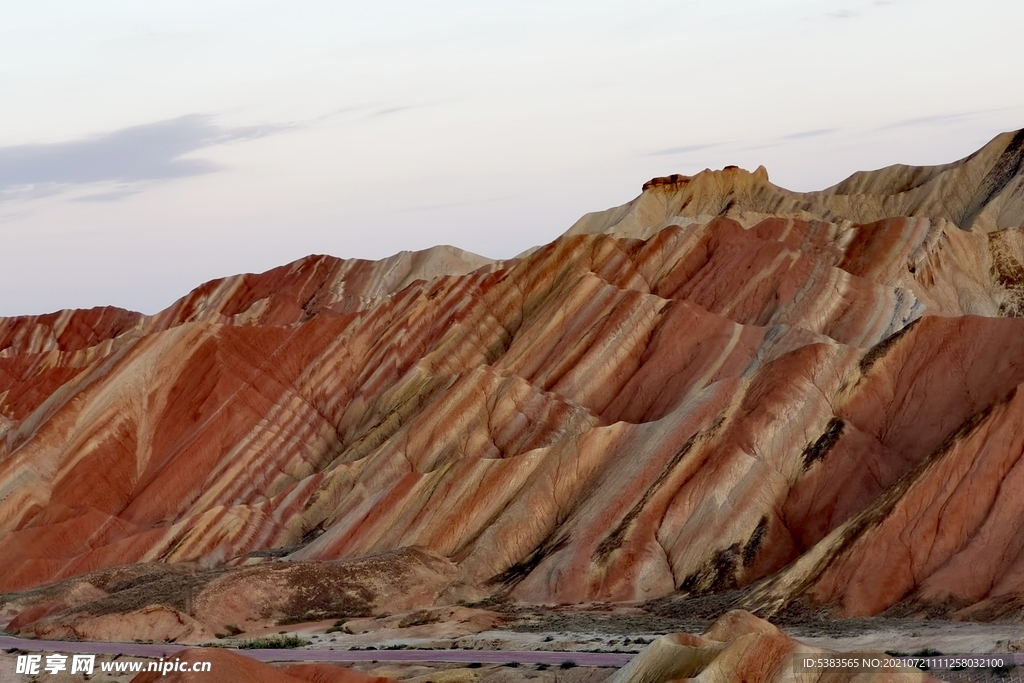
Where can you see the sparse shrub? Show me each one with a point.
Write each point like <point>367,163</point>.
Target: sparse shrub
<point>272,643</point>
<point>300,619</point>
<point>567,664</point>
<point>474,665</point>
<point>542,667</point>
<point>514,665</point>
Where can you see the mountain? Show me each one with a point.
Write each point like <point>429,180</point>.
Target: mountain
<point>807,401</point>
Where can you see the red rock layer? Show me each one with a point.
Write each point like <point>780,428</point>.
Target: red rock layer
<point>607,418</point>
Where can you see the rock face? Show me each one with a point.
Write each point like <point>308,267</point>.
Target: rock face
<point>720,385</point>
<point>741,647</point>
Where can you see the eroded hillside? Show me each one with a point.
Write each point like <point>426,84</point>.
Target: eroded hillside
<point>719,385</point>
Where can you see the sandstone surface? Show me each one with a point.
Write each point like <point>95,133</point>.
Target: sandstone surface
<point>741,647</point>
<point>722,385</point>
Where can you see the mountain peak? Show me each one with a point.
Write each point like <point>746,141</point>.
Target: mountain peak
<point>728,174</point>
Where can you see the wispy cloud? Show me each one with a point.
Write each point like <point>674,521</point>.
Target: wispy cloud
<point>682,150</point>
<point>387,111</point>
<point>930,120</point>
<point>434,207</point>
<point>146,153</point>
<point>861,9</point>
<point>10,216</point>
<point>809,134</point>
<point>110,196</point>
<point>30,191</point>
<point>455,205</point>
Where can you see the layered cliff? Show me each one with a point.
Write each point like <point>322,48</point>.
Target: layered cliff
<point>719,385</point>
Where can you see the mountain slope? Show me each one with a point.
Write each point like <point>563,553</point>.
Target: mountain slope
<point>720,385</point>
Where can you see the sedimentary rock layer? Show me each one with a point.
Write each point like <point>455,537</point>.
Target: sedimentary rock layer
<point>720,385</point>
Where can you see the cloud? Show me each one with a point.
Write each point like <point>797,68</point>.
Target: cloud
<point>929,120</point>
<point>150,152</point>
<point>862,9</point>
<point>29,191</point>
<point>456,205</point>
<point>389,110</point>
<point>682,150</point>
<point>111,196</point>
<point>10,216</point>
<point>433,207</point>
<point>808,134</point>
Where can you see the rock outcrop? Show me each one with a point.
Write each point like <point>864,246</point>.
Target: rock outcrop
<point>166,603</point>
<point>741,647</point>
<point>721,385</point>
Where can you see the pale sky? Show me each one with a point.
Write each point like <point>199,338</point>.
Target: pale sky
<point>146,147</point>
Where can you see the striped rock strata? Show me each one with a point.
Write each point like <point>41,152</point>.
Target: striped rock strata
<point>720,385</point>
